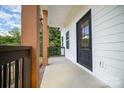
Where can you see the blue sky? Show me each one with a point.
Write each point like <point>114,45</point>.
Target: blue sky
<point>10,17</point>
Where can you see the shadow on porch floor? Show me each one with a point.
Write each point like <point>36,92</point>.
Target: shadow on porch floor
<point>62,73</point>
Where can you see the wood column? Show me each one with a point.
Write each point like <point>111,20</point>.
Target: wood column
<point>31,37</point>
<point>45,38</point>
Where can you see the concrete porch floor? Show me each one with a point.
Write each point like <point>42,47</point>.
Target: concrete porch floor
<point>62,73</point>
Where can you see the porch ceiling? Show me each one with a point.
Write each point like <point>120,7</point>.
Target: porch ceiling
<point>58,14</point>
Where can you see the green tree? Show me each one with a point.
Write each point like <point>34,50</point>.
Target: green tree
<point>15,33</point>
<point>54,37</point>
<point>12,39</point>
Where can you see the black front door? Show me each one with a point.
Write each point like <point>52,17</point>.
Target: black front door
<point>84,44</point>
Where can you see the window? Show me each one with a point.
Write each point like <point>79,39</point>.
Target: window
<point>62,41</point>
<point>85,35</point>
<point>67,40</point>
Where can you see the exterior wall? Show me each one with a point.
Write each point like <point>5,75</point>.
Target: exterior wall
<point>71,52</point>
<point>107,42</point>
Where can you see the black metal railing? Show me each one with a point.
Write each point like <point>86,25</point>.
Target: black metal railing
<point>15,66</point>
<point>56,51</point>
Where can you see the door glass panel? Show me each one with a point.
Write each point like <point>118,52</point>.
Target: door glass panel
<point>85,35</point>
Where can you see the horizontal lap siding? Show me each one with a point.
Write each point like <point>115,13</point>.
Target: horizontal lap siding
<point>71,52</point>
<point>108,44</point>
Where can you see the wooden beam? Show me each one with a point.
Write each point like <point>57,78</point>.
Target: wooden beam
<point>31,37</point>
<point>45,38</point>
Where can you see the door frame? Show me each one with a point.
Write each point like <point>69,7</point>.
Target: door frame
<point>84,16</point>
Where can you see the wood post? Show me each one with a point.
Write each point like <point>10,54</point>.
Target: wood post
<point>31,37</point>
<point>45,38</point>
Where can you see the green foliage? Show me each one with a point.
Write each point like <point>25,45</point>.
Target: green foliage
<point>54,51</point>
<point>12,39</point>
<point>15,38</point>
<point>54,38</point>
<point>41,43</point>
<point>54,41</point>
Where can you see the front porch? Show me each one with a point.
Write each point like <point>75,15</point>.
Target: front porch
<point>62,73</point>
<point>59,71</point>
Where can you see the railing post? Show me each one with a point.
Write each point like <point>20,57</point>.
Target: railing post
<point>26,72</point>
<point>10,57</point>
<point>4,75</point>
<point>16,73</point>
<point>9,75</point>
<point>0,76</point>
